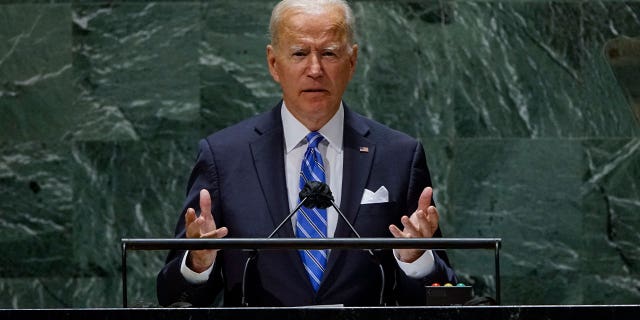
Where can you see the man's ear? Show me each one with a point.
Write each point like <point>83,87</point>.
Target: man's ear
<point>353,58</point>
<point>271,61</point>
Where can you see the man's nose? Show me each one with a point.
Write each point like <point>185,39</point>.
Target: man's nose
<point>314,70</point>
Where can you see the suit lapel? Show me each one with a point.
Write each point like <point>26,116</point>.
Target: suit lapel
<point>356,169</point>
<point>355,174</point>
<point>267,151</point>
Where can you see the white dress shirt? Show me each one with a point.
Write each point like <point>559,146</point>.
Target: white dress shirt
<point>332,154</point>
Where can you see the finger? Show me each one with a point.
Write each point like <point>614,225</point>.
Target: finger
<point>396,232</point>
<point>192,228</point>
<point>189,216</point>
<point>433,218</point>
<point>205,209</point>
<point>422,220</point>
<point>218,233</point>
<point>409,228</point>
<point>425,199</point>
<point>205,202</point>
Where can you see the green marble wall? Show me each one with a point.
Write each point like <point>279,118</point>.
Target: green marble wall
<point>529,135</point>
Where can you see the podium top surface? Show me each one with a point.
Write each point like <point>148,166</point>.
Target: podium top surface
<point>299,243</point>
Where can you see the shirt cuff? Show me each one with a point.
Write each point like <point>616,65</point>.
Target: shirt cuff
<point>192,276</point>
<point>419,268</point>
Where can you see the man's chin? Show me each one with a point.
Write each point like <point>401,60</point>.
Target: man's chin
<point>321,107</point>
<point>313,105</point>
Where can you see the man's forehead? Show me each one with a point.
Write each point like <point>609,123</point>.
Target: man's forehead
<point>327,35</point>
<point>328,22</point>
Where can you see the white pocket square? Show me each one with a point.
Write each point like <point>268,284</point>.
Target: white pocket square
<point>380,196</point>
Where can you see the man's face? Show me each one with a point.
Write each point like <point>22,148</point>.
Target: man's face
<point>313,63</point>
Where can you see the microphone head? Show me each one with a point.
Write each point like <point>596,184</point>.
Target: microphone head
<point>318,195</point>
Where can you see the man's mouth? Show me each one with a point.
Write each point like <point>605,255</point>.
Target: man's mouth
<point>314,90</point>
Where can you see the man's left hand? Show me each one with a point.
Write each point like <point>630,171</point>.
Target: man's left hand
<point>423,223</point>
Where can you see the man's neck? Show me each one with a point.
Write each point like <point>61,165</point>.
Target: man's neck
<point>295,131</point>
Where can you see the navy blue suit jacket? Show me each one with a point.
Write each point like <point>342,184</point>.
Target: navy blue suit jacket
<point>242,166</point>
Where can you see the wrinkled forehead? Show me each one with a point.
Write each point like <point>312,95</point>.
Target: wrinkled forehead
<point>324,24</point>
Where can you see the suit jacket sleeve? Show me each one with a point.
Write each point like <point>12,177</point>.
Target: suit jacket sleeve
<point>409,291</point>
<point>171,285</point>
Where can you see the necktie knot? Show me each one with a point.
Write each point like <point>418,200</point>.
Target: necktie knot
<point>314,138</point>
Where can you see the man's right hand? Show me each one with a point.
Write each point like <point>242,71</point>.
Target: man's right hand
<point>202,227</point>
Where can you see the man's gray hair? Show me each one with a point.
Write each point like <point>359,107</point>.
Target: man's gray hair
<point>311,6</point>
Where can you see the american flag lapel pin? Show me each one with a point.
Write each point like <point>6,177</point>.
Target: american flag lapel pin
<point>364,149</point>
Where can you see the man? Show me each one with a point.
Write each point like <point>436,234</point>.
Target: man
<point>247,178</point>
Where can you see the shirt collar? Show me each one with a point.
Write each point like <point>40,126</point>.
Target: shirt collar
<point>295,132</point>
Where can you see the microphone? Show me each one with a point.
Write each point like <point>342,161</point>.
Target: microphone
<point>315,194</point>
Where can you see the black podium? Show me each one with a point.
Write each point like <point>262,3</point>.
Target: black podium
<point>608,312</point>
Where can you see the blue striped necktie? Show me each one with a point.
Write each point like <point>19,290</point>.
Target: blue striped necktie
<point>312,223</point>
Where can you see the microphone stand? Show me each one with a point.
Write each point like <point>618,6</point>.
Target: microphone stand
<point>252,256</point>
<point>287,218</point>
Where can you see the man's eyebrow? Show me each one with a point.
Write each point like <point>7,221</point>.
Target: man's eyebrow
<point>332,47</point>
<point>296,48</point>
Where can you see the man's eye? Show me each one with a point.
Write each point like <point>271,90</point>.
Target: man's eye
<point>299,54</point>
<point>329,54</point>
